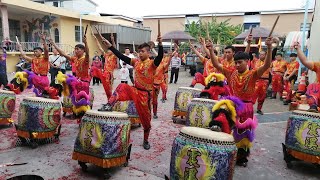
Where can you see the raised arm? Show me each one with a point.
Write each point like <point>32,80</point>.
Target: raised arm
<point>159,58</point>
<point>302,57</point>
<point>203,43</point>
<point>86,47</point>
<point>29,59</point>
<point>116,52</point>
<point>196,51</point>
<point>45,46</point>
<point>112,40</point>
<point>213,57</point>
<point>62,53</point>
<point>267,62</point>
<point>98,44</point>
<point>249,40</point>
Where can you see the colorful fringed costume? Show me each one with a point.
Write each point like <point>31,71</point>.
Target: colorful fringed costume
<point>243,86</point>
<point>215,86</point>
<point>225,113</point>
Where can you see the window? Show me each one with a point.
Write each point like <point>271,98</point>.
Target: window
<point>56,35</point>
<point>308,27</point>
<point>77,33</point>
<point>246,26</point>
<point>191,19</point>
<point>56,3</point>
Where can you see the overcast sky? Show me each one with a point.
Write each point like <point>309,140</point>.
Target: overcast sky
<point>139,8</point>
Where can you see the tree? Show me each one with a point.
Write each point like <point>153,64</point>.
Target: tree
<point>220,32</point>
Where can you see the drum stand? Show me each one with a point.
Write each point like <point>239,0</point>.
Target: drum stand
<point>288,157</point>
<point>176,118</point>
<point>34,142</point>
<point>106,174</point>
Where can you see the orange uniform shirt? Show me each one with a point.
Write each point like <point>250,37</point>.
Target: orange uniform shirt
<point>144,73</point>
<point>279,66</point>
<point>82,67</point>
<point>40,65</point>
<point>294,65</point>
<point>110,62</point>
<point>258,63</point>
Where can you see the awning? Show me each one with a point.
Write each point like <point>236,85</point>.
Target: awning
<point>292,37</point>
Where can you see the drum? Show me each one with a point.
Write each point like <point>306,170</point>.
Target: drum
<point>129,108</point>
<point>39,118</point>
<point>302,138</point>
<point>199,153</point>
<point>103,139</point>
<point>200,112</point>
<point>91,97</point>
<point>7,100</point>
<point>183,98</point>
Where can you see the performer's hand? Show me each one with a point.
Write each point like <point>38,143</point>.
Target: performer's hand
<point>106,42</point>
<point>209,45</point>
<point>159,39</point>
<point>269,42</point>
<point>84,39</point>
<point>42,36</point>
<point>249,38</point>
<point>296,45</point>
<point>112,37</point>
<point>50,40</point>
<point>190,44</point>
<point>202,40</point>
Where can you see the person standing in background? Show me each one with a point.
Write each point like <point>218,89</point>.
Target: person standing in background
<point>175,65</point>
<point>128,54</point>
<point>3,67</point>
<point>124,73</point>
<point>98,64</point>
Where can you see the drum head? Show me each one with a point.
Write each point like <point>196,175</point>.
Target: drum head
<point>40,99</point>
<point>189,89</point>
<point>107,113</point>
<point>207,134</point>
<point>305,113</point>
<point>6,92</point>
<point>204,100</point>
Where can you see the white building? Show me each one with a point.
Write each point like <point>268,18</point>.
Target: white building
<point>82,6</point>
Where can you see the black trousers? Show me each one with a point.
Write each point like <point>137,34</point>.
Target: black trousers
<point>54,73</point>
<point>175,73</point>
<point>3,79</point>
<point>96,80</point>
<point>131,75</point>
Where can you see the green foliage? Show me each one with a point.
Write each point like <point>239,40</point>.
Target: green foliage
<point>223,31</point>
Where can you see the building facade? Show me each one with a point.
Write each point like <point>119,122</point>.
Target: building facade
<point>74,5</point>
<point>290,20</point>
<point>26,20</point>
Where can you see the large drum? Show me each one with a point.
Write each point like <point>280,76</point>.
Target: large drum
<point>129,108</point>
<point>39,118</point>
<point>200,112</point>
<point>7,100</point>
<point>103,139</point>
<point>199,153</point>
<point>182,99</point>
<point>302,138</point>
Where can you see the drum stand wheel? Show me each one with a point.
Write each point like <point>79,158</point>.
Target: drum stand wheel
<point>64,114</point>
<point>128,156</point>
<point>83,166</point>
<point>56,136</point>
<point>288,157</point>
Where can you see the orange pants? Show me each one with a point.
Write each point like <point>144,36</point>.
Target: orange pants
<point>164,86</point>
<point>289,85</point>
<point>141,99</point>
<point>277,84</point>
<point>198,78</point>
<point>155,94</point>
<point>107,81</point>
<point>261,92</point>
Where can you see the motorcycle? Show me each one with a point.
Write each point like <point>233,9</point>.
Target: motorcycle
<point>23,65</point>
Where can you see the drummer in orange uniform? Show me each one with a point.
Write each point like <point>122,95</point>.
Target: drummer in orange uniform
<point>262,83</point>
<point>159,80</point>
<point>141,92</point>
<point>242,82</point>
<point>109,66</point>
<point>278,68</point>
<point>313,96</point>
<point>290,77</point>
